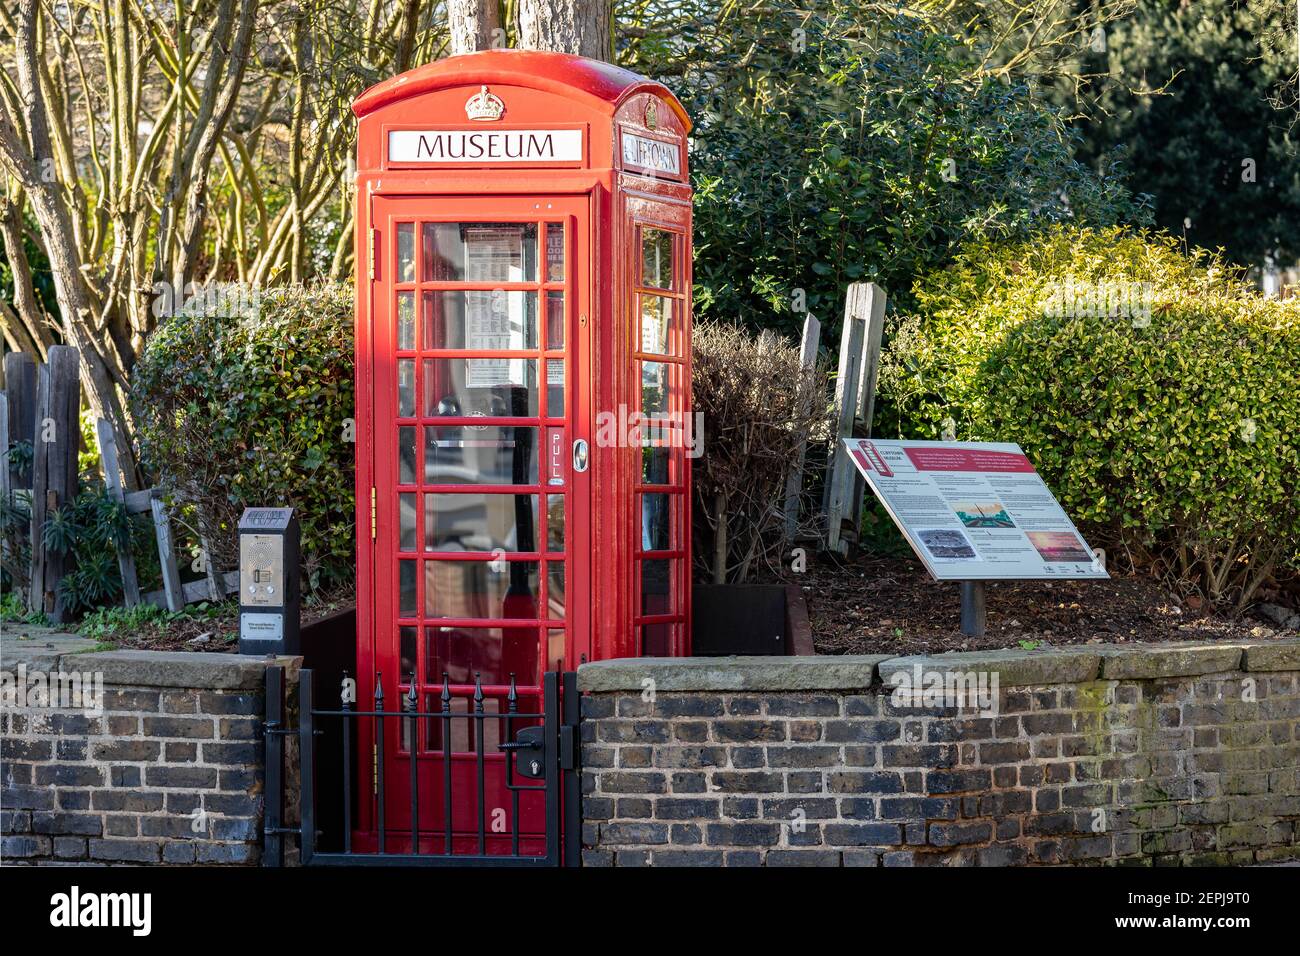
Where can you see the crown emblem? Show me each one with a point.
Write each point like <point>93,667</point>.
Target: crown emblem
<point>652,115</point>
<point>484,106</point>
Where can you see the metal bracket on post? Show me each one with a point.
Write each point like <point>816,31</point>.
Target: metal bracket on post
<point>972,608</point>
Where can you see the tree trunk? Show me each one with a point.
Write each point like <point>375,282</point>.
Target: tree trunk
<point>474,25</point>
<point>567,26</point>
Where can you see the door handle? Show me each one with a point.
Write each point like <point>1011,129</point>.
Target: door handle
<point>580,455</point>
<point>532,766</point>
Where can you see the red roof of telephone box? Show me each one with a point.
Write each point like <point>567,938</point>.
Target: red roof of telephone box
<point>560,73</point>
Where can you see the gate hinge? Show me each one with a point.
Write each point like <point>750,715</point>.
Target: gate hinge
<point>374,519</point>
<point>568,747</point>
<point>370,253</point>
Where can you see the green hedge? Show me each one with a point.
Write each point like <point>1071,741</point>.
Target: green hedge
<point>252,405</point>
<point>1167,428</point>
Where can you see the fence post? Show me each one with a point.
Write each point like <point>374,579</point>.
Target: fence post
<point>868,374</point>
<point>307,767</point>
<point>273,755</point>
<point>171,575</point>
<point>54,473</point>
<point>864,311</point>
<point>107,444</point>
<point>20,389</point>
<point>812,331</point>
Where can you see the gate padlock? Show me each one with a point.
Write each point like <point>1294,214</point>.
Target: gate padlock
<point>530,751</point>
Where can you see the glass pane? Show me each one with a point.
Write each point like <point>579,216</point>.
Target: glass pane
<point>656,523</point>
<point>491,320</point>
<point>555,388</point>
<point>407,633</point>
<point>480,455</point>
<point>654,388</point>
<point>406,320</point>
<point>473,522</point>
<point>654,466</point>
<point>555,523</point>
<point>555,320</point>
<point>656,324</point>
<point>499,388</point>
<point>407,602</point>
<point>555,649</point>
<point>491,589</point>
<point>492,653</point>
<point>656,597</point>
<point>657,258</point>
<point>460,732</point>
<point>405,388</point>
<point>555,590</point>
<point>656,640</point>
<point>406,455</point>
<point>406,518</point>
<point>406,252</point>
<point>480,252</point>
<point>554,252</point>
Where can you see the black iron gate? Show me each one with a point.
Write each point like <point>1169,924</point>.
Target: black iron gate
<point>326,755</point>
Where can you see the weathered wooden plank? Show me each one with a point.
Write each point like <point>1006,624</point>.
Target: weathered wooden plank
<point>209,570</point>
<point>854,398</point>
<point>106,441</point>
<point>171,575</point>
<point>6,482</point>
<point>55,471</point>
<point>20,387</point>
<point>869,372</point>
<point>138,502</point>
<point>40,471</point>
<point>6,488</point>
<point>812,331</point>
<point>870,368</point>
<point>195,591</point>
<point>852,336</point>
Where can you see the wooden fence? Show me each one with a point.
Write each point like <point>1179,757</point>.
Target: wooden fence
<point>40,405</point>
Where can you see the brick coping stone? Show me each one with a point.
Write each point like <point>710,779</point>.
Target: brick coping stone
<point>1015,667</point>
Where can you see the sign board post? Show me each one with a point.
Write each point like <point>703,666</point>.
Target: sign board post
<point>268,582</point>
<point>974,512</point>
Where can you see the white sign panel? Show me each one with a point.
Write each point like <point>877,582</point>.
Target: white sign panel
<point>486,146</point>
<point>974,511</point>
<point>651,154</point>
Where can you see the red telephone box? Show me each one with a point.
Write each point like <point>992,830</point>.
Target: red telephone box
<point>523,395</point>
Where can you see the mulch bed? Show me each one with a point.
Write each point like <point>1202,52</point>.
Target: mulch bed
<point>891,606</point>
<point>215,630</point>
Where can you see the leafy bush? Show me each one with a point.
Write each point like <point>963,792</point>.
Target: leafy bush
<point>94,529</point>
<point>760,406</point>
<point>1154,389</point>
<point>239,408</point>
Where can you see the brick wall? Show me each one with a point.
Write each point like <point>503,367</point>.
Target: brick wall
<point>169,772</point>
<point>1137,755</point>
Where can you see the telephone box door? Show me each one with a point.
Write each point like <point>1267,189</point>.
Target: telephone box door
<point>480,386</point>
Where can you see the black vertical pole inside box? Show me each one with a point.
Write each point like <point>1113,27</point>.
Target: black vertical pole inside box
<point>269,586</point>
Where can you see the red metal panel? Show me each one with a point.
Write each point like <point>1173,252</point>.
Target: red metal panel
<point>605,194</point>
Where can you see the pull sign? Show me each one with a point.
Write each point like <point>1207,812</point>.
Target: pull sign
<point>580,455</point>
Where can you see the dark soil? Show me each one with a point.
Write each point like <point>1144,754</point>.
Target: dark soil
<point>214,630</point>
<point>891,606</point>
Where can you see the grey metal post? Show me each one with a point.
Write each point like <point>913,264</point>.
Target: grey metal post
<point>972,608</point>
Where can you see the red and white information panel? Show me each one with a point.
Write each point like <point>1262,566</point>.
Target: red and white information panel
<point>974,511</point>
